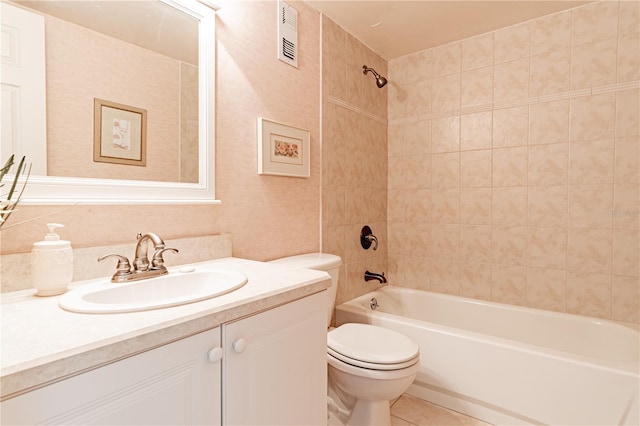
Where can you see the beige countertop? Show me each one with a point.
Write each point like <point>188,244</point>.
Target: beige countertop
<point>41,343</point>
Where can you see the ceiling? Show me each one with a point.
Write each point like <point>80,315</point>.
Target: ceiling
<point>397,28</point>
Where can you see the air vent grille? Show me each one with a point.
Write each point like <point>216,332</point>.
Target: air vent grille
<point>287,34</point>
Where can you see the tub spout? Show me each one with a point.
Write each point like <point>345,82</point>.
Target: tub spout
<point>368,276</point>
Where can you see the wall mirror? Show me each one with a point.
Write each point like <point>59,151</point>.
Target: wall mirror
<point>122,80</point>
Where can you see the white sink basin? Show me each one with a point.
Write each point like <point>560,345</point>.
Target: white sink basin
<point>175,288</point>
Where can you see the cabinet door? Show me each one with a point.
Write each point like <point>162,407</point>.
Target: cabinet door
<point>175,384</point>
<point>275,366</point>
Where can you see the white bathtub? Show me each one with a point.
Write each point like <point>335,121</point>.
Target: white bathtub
<point>512,365</point>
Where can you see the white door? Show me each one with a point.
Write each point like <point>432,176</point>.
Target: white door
<point>175,384</point>
<point>275,367</point>
<point>22,78</point>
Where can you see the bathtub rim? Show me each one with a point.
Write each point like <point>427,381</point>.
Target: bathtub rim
<point>357,306</point>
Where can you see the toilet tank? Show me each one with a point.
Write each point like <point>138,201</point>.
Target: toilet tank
<point>320,262</point>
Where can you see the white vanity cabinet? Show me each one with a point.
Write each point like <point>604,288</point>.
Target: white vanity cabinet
<point>175,384</point>
<point>275,366</point>
<point>269,370</point>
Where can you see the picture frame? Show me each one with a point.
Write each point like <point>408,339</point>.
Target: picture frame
<point>283,150</point>
<point>120,133</point>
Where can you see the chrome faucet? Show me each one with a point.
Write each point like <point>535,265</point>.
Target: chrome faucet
<point>141,262</point>
<point>141,267</point>
<point>368,276</point>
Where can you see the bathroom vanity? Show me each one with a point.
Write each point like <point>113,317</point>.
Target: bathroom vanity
<point>253,356</point>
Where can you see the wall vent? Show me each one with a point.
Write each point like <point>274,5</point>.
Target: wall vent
<point>287,34</point>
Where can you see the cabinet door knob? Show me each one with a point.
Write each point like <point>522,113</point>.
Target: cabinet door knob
<point>239,345</point>
<point>215,354</point>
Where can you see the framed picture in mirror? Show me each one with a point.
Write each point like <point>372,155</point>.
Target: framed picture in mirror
<point>120,133</point>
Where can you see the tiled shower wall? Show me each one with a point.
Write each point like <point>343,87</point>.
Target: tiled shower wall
<point>514,164</point>
<point>354,158</point>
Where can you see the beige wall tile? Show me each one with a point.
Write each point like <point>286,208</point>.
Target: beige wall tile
<point>628,113</point>
<point>475,168</point>
<point>475,243</point>
<point>512,43</point>
<point>626,252</point>
<point>626,298</point>
<point>549,122</point>
<point>445,205</point>
<point>445,93</point>
<point>445,170</point>
<point>589,204</point>
<point>627,160</point>
<point>476,87</point>
<point>628,66</point>
<point>475,280</point>
<point>547,206</point>
<point>629,19</point>
<point>551,33</point>
<point>511,126</point>
<point>547,288</point>
<point>551,72</point>
<point>419,240</point>
<point>417,171</point>
<point>508,284</point>
<point>446,59</point>
<point>476,130</point>
<point>418,65</point>
<point>477,51</point>
<point>626,206</point>
<point>509,206</point>
<point>589,250</point>
<point>595,21</point>
<point>548,164</point>
<point>396,203</point>
<point>510,166</point>
<point>593,117</point>
<point>511,80</point>
<point>416,205</point>
<point>445,134</point>
<point>591,161</point>
<point>547,248</point>
<point>589,294</point>
<point>445,276</point>
<point>509,245</point>
<point>418,99</point>
<point>417,272</point>
<point>445,241</point>
<point>593,64</point>
<point>475,206</point>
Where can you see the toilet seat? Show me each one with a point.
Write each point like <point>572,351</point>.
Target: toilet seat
<point>371,347</point>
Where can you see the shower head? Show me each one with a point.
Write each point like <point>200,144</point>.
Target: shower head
<point>380,80</point>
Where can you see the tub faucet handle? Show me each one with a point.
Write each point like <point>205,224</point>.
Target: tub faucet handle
<point>367,238</point>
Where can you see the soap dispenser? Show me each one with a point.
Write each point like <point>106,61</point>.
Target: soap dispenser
<point>51,263</point>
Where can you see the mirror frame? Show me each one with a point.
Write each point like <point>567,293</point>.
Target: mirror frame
<point>46,190</point>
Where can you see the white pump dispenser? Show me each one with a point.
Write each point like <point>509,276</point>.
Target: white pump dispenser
<point>51,263</point>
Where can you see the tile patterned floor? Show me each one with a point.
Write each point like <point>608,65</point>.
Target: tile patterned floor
<point>411,411</point>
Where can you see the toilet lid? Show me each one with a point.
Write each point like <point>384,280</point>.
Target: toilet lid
<point>371,344</point>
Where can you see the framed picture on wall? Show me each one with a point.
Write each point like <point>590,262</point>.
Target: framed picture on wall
<point>119,133</point>
<point>283,150</point>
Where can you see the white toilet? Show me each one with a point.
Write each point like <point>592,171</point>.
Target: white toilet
<point>368,365</point>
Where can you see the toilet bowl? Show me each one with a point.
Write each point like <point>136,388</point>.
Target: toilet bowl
<point>368,365</point>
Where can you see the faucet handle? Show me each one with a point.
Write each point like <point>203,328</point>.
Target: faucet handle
<point>158,261</point>
<point>123,268</point>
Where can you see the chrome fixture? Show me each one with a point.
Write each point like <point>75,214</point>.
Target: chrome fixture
<point>141,267</point>
<point>368,276</point>
<point>380,80</point>
<point>367,238</point>
<point>373,303</point>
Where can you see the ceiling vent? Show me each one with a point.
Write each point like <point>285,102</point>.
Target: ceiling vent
<point>287,34</point>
